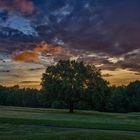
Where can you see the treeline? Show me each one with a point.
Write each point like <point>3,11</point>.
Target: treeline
<point>74,85</point>
<point>26,97</point>
<point>119,99</point>
<point>14,96</point>
<point>124,98</point>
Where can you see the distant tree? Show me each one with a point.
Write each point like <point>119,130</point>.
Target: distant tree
<point>118,99</point>
<point>70,81</point>
<point>125,98</point>
<point>98,93</point>
<point>133,95</point>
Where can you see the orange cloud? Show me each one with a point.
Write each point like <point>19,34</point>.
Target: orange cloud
<point>26,56</point>
<point>33,55</point>
<point>57,50</point>
<point>45,47</point>
<point>23,6</point>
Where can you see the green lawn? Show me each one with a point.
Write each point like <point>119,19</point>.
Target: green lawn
<point>18,123</point>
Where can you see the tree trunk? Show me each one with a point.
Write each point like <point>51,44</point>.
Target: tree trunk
<point>71,107</point>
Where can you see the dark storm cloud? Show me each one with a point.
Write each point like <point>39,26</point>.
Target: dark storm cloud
<point>99,26</point>
<point>132,60</point>
<point>129,65</point>
<point>118,32</point>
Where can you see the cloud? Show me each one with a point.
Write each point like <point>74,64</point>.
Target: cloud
<point>34,54</point>
<point>107,75</point>
<point>45,47</point>
<point>29,82</point>
<point>5,71</point>
<point>23,6</point>
<point>131,60</point>
<point>137,73</point>
<point>26,56</point>
<point>35,69</point>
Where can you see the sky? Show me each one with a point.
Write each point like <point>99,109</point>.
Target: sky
<point>35,34</point>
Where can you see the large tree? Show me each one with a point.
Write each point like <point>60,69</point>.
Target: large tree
<point>70,82</point>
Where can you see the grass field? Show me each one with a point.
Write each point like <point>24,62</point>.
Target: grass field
<point>18,123</point>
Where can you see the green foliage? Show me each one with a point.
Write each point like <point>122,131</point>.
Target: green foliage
<point>58,105</point>
<point>72,81</point>
<point>118,100</point>
<point>125,99</point>
<point>133,95</point>
<point>14,96</point>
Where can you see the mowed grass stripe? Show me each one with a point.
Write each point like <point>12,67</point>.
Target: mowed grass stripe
<point>71,124</point>
<point>71,135</point>
<point>80,119</point>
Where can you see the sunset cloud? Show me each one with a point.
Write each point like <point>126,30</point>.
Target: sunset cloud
<point>26,56</point>
<point>23,6</point>
<point>48,48</point>
<point>33,55</point>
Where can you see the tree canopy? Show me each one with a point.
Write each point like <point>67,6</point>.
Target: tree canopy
<point>71,81</point>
